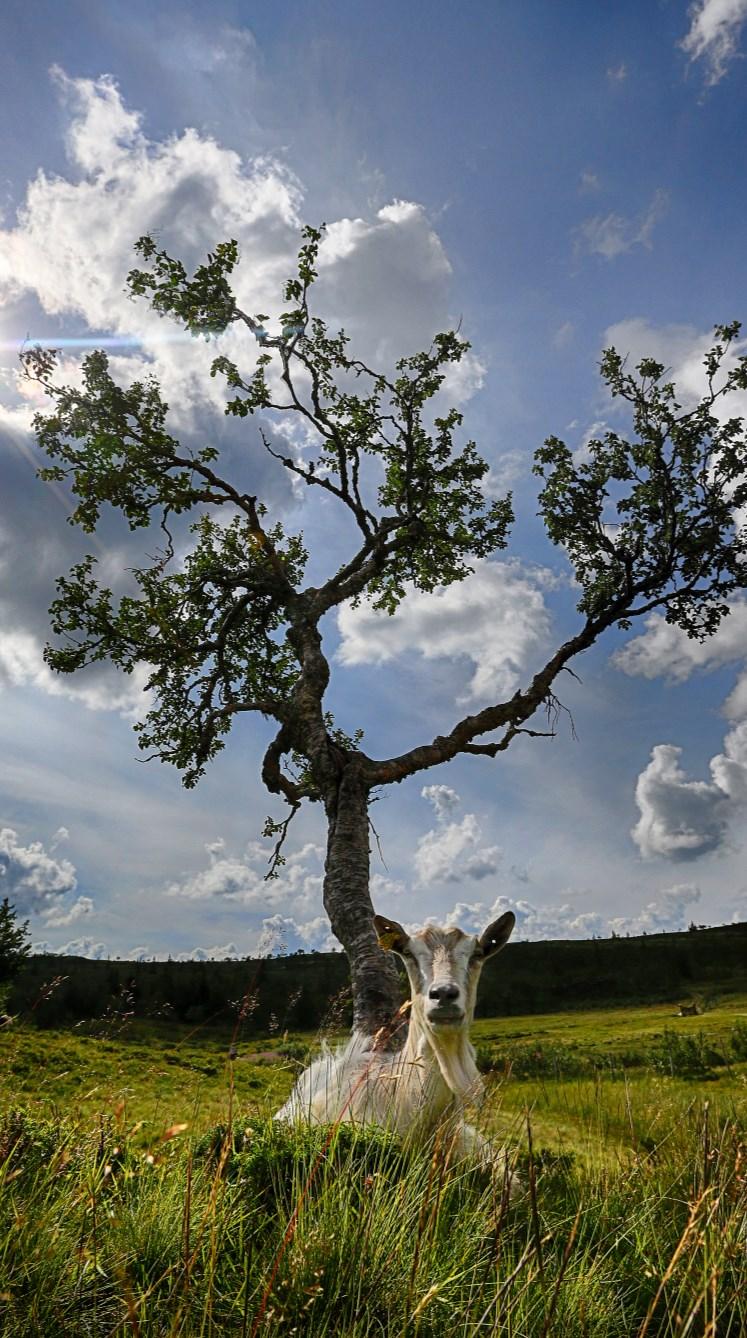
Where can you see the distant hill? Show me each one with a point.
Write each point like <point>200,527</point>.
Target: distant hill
<point>306,991</point>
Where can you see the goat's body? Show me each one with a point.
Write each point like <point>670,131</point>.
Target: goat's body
<point>412,1092</point>
<point>425,1085</point>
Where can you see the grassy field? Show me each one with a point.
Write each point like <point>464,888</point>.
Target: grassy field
<point>144,1189</point>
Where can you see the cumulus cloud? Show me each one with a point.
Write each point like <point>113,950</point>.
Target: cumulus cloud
<point>187,188</point>
<point>282,934</point>
<point>22,665</point>
<point>681,349</point>
<point>681,818</point>
<point>611,235</point>
<point>453,850</point>
<point>713,35</point>
<point>77,947</point>
<point>39,883</point>
<point>443,798</point>
<point>241,879</point>
<point>496,618</point>
<point>227,952</point>
<point>729,768</point>
<point>31,878</point>
<point>385,278</point>
<point>533,923</point>
<point>504,472</point>
<point>60,917</point>
<point>667,913</point>
<point>665,650</point>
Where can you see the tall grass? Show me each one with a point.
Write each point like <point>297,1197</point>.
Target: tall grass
<point>255,1229</point>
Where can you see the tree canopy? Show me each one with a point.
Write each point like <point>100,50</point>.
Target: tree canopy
<point>14,942</point>
<point>231,626</point>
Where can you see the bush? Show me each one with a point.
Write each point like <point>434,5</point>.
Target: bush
<point>272,1158</point>
<point>738,1041</point>
<point>544,1060</point>
<point>680,1056</point>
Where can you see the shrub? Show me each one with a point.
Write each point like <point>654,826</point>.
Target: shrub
<point>681,1056</point>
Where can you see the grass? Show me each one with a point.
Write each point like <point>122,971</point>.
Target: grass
<point>144,1190</point>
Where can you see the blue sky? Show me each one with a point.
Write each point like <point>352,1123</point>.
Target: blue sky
<point>555,177</point>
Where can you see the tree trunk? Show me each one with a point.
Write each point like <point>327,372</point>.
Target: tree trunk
<point>377,993</point>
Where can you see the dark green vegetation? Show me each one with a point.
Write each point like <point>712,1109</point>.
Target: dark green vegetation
<point>143,1189</point>
<point>232,626</point>
<point>312,991</point>
<point>14,947</point>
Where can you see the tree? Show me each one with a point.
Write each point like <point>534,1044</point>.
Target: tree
<point>14,945</point>
<point>646,524</point>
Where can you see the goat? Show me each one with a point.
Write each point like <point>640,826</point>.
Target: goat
<point>425,1084</point>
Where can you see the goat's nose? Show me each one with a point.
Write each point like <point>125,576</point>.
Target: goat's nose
<point>443,993</point>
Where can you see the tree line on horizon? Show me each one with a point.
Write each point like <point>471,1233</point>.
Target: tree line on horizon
<point>309,991</point>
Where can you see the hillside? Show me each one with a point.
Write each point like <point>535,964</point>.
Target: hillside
<point>306,991</point>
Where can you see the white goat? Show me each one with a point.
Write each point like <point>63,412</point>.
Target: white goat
<point>427,1082</point>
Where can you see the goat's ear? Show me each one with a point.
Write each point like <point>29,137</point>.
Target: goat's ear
<point>392,937</point>
<point>496,936</point>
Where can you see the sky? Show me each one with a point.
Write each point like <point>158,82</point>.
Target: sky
<point>556,180</point>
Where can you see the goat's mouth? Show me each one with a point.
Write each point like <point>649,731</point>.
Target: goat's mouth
<point>445,1017</point>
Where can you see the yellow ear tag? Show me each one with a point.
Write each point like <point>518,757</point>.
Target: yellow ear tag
<point>388,939</point>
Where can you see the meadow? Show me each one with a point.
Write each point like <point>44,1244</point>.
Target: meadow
<point>144,1189</point>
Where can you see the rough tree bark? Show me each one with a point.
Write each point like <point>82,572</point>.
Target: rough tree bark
<point>377,993</point>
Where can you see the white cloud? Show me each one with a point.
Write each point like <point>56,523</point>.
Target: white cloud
<point>453,850</point>
<point>664,649</point>
<point>564,334</point>
<point>617,74</point>
<point>241,879</point>
<point>667,913</point>
<point>59,917</point>
<point>729,768</point>
<point>611,235</point>
<point>72,246</point>
<point>681,349</point>
<point>496,618</point>
<point>225,953</point>
<point>681,818</point>
<point>386,279</point>
<point>283,934</point>
<point>384,889</point>
<point>533,923</point>
<point>31,878</point>
<point>714,33</point>
<point>442,797</point>
<point>22,665</point>
<point>735,706</point>
<point>504,472</point>
<point>77,947</point>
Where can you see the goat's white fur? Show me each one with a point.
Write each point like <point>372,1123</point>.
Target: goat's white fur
<point>426,1084</point>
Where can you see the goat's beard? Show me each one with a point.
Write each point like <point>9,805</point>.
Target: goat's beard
<point>456,1060</point>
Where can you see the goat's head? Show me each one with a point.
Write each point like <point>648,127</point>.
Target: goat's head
<point>444,967</point>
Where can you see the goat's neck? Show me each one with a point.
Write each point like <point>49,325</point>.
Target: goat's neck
<point>447,1055</point>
